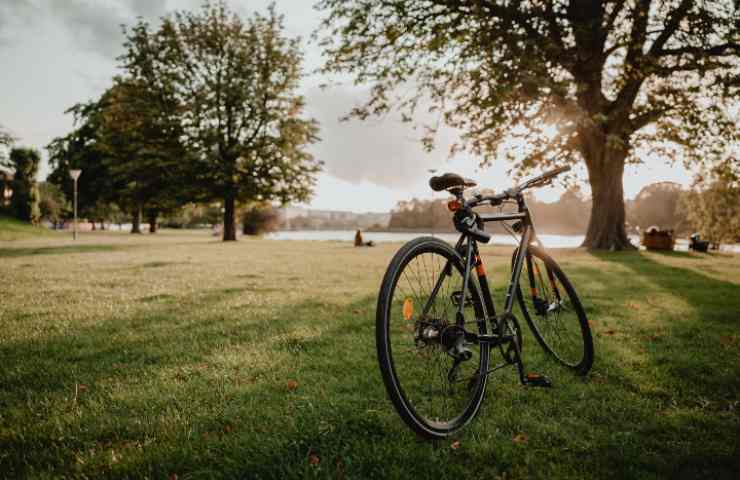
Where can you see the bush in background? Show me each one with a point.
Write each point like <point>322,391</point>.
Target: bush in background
<point>260,219</point>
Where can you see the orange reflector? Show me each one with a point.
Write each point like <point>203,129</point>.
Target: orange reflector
<point>479,267</point>
<point>454,205</point>
<point>408,309</point>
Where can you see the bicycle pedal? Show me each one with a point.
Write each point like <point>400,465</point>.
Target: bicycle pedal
<point>537,380</point>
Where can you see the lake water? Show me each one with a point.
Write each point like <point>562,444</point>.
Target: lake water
<point>550,241</point>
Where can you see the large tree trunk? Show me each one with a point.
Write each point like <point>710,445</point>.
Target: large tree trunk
<point>229,218</point>
<point>136,220</point>
<point>606,227</point>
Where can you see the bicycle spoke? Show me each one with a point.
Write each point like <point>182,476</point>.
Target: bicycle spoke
<point>423,371</point>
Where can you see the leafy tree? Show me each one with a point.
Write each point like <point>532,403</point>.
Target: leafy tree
<point>81,149</point>
<point>52,204</point>
<point>126,152</point>
<point>605,82</point>
<point>144,155</point>
<point>235,84</point>
<point>657,204</point>
<point>24,203</point>
<point>713,206</point>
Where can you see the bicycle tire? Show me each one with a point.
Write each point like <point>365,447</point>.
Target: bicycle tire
<point>546,331</point>
<point>398,388</point>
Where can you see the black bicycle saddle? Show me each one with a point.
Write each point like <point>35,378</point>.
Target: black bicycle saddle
<point>449,181</point>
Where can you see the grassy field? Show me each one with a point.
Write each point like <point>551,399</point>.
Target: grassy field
<point>178,356</point>
<point>12,229</point>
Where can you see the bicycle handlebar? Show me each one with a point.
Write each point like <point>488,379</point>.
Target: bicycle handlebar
<point>466,221</point>
<point>545,177</point>
<point>514,192</point>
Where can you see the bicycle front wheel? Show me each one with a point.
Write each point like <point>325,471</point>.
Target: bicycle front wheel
<point>554,312</point>
<point>420,347</point>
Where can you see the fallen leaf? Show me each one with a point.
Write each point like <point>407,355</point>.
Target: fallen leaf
<point>292,385</point>
<point>455,445</point>
<point>520,438</point>
<point>610,332</point>
<point>314,459</point>
<point>82,387</point>
<point>598,379</point>
<point>227,428</point>
<point>172,476</point>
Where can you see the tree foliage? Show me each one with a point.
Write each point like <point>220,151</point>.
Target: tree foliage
<point>143,152</point>
<point>658,204</point>
<point>24,204</point>
<point>53,205</point>
<point>194,215</point>
<point>6,141</point>
<point>547,82</point>
<point>81,149</point>
<point>235,84</point>
<point>713,206</point>
<point>129,154</point>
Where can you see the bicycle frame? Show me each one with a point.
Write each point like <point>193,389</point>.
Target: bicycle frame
<point>472,259</point>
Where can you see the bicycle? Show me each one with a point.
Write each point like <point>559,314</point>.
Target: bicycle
<point>434,368</point>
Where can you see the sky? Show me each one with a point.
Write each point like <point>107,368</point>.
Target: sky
<point>55,53</point>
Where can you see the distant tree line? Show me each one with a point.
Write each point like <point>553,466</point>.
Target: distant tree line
<point>711,207</point>
<point>713,204</point>
<point>566,216</point>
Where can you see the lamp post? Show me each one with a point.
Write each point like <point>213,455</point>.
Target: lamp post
<point>75,174</point>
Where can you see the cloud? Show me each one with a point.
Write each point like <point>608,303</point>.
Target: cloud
<point>97,26</point>
<point>94,25</point>
<point>384,150</point>
<point>13,14</point>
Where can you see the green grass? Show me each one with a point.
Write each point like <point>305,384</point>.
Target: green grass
<point>12,229</point>
<point>144,357</point>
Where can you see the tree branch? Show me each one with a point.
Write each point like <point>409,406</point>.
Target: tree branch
<point>674,20</point>
<point>714,51</point>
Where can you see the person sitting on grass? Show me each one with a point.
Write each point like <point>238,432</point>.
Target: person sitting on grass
<point>359,242</point>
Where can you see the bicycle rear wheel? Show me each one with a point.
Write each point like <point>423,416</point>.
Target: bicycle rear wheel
<point>554,312</point>
<point>415,329</point>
